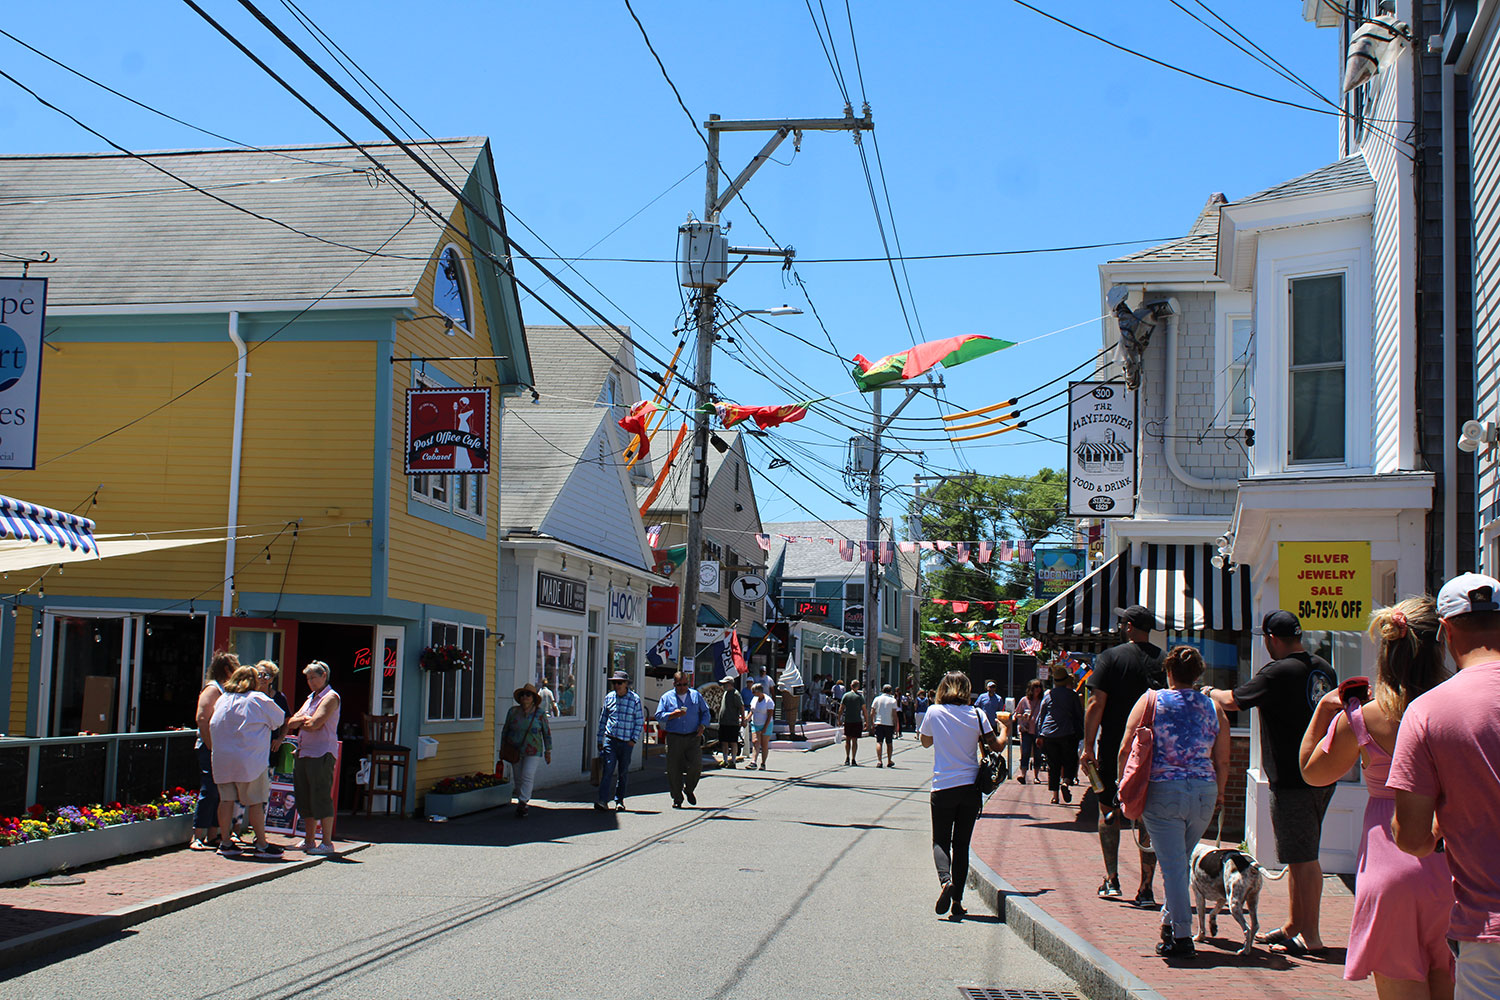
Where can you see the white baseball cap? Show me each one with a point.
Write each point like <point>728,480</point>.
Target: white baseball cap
<point>1468,592</point>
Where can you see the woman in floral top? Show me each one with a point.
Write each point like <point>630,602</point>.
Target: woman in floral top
<point>526,730</point>
<point>1189,766</point>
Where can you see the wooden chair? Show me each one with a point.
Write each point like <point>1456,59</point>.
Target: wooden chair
<point>389,762</point>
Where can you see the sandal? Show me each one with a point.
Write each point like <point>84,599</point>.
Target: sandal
<point>1276,937</point>
<point>1296,946</point>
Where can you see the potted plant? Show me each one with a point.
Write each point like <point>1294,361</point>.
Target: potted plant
<point>441,659</point>
<point>44,840</point>
<point>458,796</point>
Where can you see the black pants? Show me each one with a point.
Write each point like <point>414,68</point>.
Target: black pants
<point>1062,759</point>
<point>954,812</point>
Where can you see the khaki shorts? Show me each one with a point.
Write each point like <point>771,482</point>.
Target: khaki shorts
<point>246,793</point>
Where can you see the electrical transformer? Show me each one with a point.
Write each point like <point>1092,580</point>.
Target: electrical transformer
<point>702,254</point>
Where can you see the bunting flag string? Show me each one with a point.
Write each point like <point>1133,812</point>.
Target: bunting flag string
<point>960,606</point>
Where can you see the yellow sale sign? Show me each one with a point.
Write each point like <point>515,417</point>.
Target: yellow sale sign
<point>1327,585</point>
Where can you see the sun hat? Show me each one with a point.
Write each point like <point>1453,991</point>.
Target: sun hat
<point>527,689</point>
<point>619,675</point>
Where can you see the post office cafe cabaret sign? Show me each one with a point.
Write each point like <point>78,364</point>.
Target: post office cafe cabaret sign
<point>563,593</point>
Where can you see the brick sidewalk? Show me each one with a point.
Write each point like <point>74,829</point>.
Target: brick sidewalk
<point>1048,855</point>
<point>36,918</point>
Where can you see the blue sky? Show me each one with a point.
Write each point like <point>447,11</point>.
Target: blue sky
<point>997,128</point>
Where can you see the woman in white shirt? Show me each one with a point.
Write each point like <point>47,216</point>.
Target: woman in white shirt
<point>241,729</point>
<point>956,730</point>
<point>762,712</point>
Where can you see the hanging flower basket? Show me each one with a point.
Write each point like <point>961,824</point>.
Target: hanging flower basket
<point>444,659</point>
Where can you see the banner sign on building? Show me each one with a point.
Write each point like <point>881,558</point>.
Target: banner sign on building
<point>23,306</point>
<point>1327,585</point>
<point>626,608</point>
<point>1057,570</point>
<point>1101,449</point>
<point>447,430</point>
<point>661,606</point>
<point>854,619</point>
<point>561,592</point>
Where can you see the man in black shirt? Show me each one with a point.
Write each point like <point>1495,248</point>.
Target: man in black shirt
<point>1121,675</point>
<point>1286,691</point>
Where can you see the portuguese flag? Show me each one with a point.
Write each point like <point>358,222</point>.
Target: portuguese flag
<point>869,375</point>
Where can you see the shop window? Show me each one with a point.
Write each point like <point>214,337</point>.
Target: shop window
<point>1316,374</point>
<point>457,695</point>
<point>450,289</point>
<point>622,656</point>
<point>557,669</point>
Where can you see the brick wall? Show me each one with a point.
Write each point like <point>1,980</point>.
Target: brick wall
<point>1234,794</point>
<point>1196,405</point>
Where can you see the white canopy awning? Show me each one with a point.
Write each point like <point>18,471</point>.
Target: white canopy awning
<point>16,556</point>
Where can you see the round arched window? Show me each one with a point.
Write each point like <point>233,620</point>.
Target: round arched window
<point>450,288</point>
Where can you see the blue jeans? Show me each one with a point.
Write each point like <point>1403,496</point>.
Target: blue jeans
<point>1176,814</point>
<point>1030,748</point>
<point>615,753</point>
<point>207,815</point>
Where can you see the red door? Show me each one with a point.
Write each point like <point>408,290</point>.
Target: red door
<point>253,639</point>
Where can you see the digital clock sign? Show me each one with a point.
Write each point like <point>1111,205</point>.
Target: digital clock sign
<point>802,608</point>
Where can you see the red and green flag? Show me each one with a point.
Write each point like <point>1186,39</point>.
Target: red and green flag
<point>637,422</point>
<point>950,351</point>
<point>764,416</point>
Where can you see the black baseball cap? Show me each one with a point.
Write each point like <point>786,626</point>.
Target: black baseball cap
<point>1138,615</point>
<point>1282,624</point>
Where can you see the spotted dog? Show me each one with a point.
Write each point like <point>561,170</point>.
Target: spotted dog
<point>1227,876</point>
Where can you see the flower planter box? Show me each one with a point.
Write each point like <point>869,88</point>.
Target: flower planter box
<point>463,803</point>
<point>74,850</point>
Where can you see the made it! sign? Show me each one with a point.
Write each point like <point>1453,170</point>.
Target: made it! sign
<point>447,430</point>
<point>1327,585</point>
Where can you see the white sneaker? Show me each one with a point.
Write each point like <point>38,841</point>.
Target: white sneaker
<point>323,849</point>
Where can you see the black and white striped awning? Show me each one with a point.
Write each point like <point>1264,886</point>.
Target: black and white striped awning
<point>1179,583</point>
<point>1187,593</point>
<point>1087,607</point>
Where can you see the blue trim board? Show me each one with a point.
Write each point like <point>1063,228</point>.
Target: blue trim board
<point>380,492</point>
<point>437,515</point>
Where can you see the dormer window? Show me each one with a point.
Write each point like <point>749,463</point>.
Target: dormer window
<point>450,289</point>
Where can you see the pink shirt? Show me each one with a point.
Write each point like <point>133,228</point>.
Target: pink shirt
<point>1448,747</point>
<point>325,739</point>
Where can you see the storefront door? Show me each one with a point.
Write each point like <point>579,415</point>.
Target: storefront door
<point>256,639</point>
<point>119,673</point>
<point>385,682</point>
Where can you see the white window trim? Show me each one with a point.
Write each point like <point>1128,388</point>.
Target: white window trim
<point>1347,246</point>
<point>1230,306</point>
<point>580,668</point>
<point>466,288</point>
<point>429,675</point>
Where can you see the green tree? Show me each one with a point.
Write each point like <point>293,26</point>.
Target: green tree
<point>977,507</point>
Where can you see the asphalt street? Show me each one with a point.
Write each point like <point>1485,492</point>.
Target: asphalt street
<point>812,880</point>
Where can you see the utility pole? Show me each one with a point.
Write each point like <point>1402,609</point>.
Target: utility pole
<point>702,256</point>
<point>873,524</point>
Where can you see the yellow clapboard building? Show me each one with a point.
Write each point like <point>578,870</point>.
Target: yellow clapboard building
<point>229,336</point>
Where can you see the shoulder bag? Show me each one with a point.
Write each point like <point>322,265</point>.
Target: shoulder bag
<point>993,769</point>
<point>511,752</point>
<point>1135,780</point>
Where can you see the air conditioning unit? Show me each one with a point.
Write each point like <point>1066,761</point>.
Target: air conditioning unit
<point>702,255</point>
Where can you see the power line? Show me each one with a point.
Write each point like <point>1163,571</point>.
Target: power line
<point>1176,69</point>
<point>441,179</point>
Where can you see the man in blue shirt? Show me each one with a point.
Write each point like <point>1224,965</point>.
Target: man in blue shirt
<point>620,725</point>
<point>684,715</point>
<point>990,703</point>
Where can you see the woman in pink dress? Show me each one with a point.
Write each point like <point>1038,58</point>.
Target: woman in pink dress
<point>1401,903</point>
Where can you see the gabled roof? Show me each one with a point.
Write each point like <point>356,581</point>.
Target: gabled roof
<point>1196,247</point>
<point>818,559</point>
<point>674,493</point>
<point>570,372</point>
<point>563,479</point>
<point>1346,173</point>
<point>125,234</point>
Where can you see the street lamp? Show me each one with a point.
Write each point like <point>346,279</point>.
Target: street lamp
<point>782,310</point>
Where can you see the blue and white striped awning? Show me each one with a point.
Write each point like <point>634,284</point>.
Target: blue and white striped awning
<point>35,523</point>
